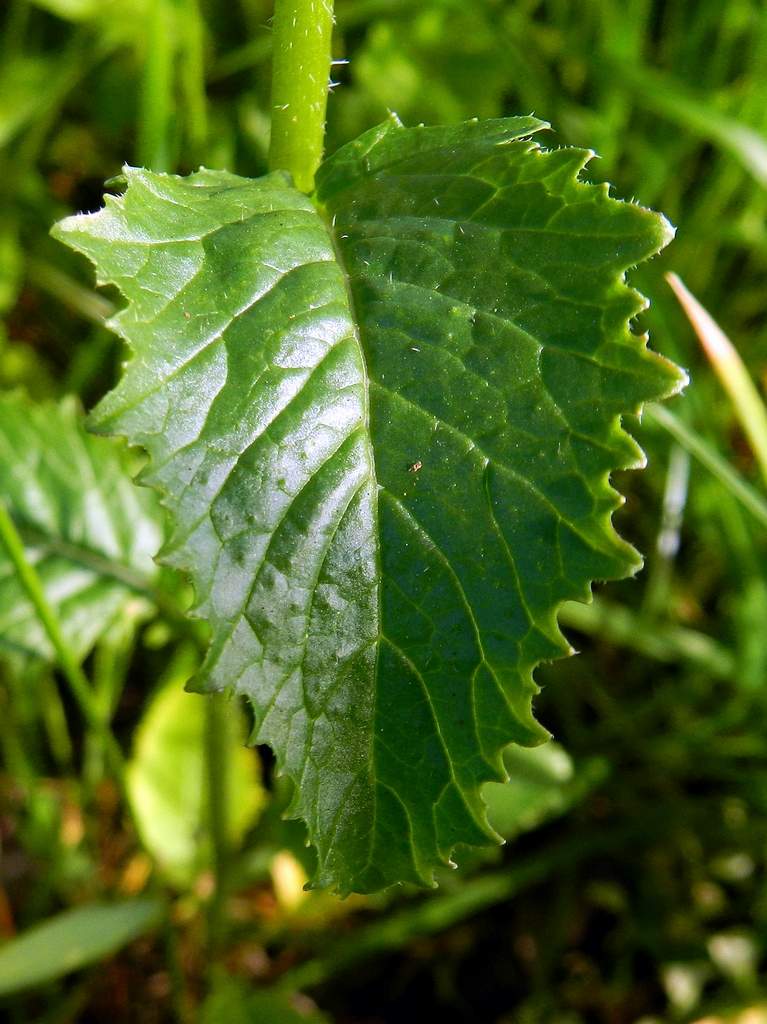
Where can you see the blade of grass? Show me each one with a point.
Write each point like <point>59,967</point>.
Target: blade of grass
<point>192,78</point>
<point>617,624</point>
<point>747,403</point>
<point>244,58</point>
<point>662,94</point>
<point>83,301</point>
<point>707,456</point>
<point>55,723</point>
<point>658,588</point>
<point>156,103</point>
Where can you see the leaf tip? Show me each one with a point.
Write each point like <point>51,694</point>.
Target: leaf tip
<point>666,230</point>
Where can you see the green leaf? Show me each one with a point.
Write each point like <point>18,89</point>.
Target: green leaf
<point>543,783</point>
<point>166,777</point>
<point>73,940</point>
<point>23,82</point>
<point>383,421</point>
<point>72,10</point>
<point>234,1002</point>
<point>87,529</point>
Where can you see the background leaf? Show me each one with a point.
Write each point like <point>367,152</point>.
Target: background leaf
<point>22,85</point>
<point>73,940</point>
<point>166,777</point>
<point>543,783</point>
<point>232,1002</point>
<point>88,530</point>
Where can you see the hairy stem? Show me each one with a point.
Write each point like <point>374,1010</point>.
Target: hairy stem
<point>300,78</point>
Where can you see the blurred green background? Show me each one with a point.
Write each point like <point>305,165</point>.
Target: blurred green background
<point>633,885</point>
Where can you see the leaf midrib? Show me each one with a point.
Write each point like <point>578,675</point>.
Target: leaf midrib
<point>329,223</point>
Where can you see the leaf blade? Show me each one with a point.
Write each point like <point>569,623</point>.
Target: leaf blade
<point>475,263</point>
<point>166,781</point>
<point>89,533</point>
<point>73,940</point>
<point>385,438</point>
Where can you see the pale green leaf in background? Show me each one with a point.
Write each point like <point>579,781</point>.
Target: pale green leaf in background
<point>22,94</point>
<point>72,940</point>
<point>543,783</point>
<point>233,1002</point>
<point>166,777</point>
<point>72,10</point>
<point>89,532</point>
<point>383,421</point>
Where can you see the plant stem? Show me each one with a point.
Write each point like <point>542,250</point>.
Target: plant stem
<point>110,667</point>
<point>300,79</point>
<point>112,569</point>
<point>618,625</point>
<point>192,79</point>
<point>55,722</point>
<point>83,301</point>
<point>179,995</point>
<point>14,28</point>
<point>217,758</point>
<point>15,758</point>
<point>156,103</point>
<point>70,667</point>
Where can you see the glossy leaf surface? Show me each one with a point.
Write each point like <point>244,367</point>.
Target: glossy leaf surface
<point>383,421</point>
